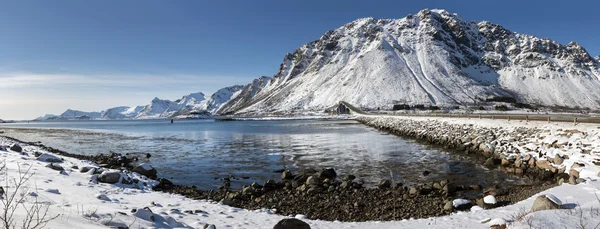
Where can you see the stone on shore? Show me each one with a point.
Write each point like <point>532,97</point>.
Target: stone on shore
<point>49,158</point>
<point>16,148</point>
<point>543,164</point>
<point>448,206</point>
<point>328,173</point>
<point>489,199</point>
<point>146,170</point>
<point>109,177</point>
<point>383,184</point>
<point>291,223</point>
<point>546,202</point>
<point>558,159</point>
<point>55,167</point>
<point>287,175</point>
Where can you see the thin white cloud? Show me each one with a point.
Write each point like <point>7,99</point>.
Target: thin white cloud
<point>32,80</point>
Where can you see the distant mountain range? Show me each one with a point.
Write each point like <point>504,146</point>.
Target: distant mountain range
<point>432,58</point>
<point>191,106</point>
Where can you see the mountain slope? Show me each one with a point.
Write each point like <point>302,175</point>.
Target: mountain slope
<point>123,112</point>
<point>221,97</point>
<point>433,57</point>
<point>244,95</point>
<point>75,114</point>
<point>45,117</point>
<point>154,109</point>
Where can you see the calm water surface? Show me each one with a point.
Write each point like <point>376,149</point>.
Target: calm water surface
<point>199,152</point>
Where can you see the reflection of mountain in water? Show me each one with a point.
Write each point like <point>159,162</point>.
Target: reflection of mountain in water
<point>197,152</point>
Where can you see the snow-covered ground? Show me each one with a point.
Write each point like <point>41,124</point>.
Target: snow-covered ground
<point>78,202</point>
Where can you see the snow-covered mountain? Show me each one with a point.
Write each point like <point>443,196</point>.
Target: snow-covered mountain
<point>123,112</point>
<point>77,115</point>
<point>433,57</point>
<point>159,108</point>
<point>244,96</point>
<point>155,109</point>
<point>45,117</point>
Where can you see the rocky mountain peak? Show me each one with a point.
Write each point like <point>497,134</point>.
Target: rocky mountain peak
<point>431,57</point>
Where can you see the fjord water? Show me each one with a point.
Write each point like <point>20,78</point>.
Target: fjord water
<point>200,152</point>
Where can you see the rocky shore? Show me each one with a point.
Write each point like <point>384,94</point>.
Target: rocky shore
<point>542,153</point>
<point>322,194</point>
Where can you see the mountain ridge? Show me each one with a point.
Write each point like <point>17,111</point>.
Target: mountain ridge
<point>433,57</point>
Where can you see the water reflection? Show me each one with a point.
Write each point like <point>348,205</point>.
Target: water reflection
<point>197,152</point>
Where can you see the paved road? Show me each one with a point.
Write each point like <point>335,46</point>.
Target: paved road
<point>579,118</point>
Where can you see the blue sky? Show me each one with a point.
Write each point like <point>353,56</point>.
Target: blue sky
<point>91,55</point>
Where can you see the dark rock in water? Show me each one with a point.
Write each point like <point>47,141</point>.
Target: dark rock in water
<point>148,155</point>
<point>349,178</point>
<point>425,173</point>
<point>16,148</point>
<point>291,223</point>
<point>55,167</point>
<point>164,184</point>
<point>384,184</point>
<point>109,177</point>
<point>328,173</point>
<point>287,175</point>
<point>146,170</point>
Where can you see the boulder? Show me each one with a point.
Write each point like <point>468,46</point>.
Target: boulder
<point>85,169</point>
<point>573,180</point>
<point>313,180</point>
<point>543,164</point>
<point>328,173</point>
<point>456,203</point>
<point>489,162</point>
<point>49,158</point>
<point>146,170</point>
<point>145,214</point>
<point>448,206</point>
<point>109,177</point>
<point>349,178</point>
<point>384,184</point>
<point>209,226</point>
<point>558,159</point>
<point>574,173</point>
<point>413,191</point>
<point>489,199</point>
<point>16,148</point>
<point>291,223</point>
<point>546,202</point>
<point>287,175</point>
<point>55,167</point>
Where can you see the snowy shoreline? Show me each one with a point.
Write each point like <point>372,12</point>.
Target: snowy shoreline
<point>520,145</point>
<point>71,194</point>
